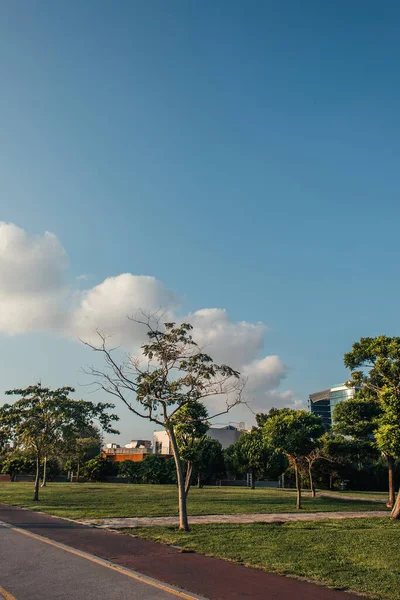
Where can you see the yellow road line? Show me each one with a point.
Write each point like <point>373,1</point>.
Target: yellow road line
<point>100,561</point>
<point>6,595</point>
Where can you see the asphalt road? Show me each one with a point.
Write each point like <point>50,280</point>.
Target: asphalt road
<point>31,569</point>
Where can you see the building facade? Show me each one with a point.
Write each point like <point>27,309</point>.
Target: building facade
<point>323,403</point>
<point>226,436</point>
<point>134,450</point>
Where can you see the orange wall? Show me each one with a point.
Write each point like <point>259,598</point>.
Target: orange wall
<point>138,457</point>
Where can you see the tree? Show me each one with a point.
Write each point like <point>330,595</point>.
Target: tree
<point>41,417</point>
<point>262,418</point>
<point>387,437</point>
<point>80,445</point>
<point>209,462</point>
<point>15,463</point>
<point>191,426</point>
<point>98,468</point>
<point>132,470</point>
<point>375,367</point>
<point>252,454</point>
<point>171,373</point>
<point>293,432</point>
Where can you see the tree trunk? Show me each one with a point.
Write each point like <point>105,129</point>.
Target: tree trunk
<point>253,481</point>
<point>396,509</point>
<point>37,479</point>
<point>390,462</point>
<point>298,485</point>
<point>312,487</point>
<point>331,481</point>
<point>183,518</point>
<point>44,480</point>
<point>199,485</point>
<point>188,477</point>
<point>77,472</point>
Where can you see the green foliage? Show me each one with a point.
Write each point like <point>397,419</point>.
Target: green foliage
<point>80,445</point>
<point>375,362</point>
<point>195,372</point>
<point>261,418</point>
<point>131,470</point>
<point>356,417</point>
<point>16,463</point>
<point>251,454</point>
<point>191,425</point>
<point>98,469</point>
<point>53,468</point>
<point>375,365</point>
<point>293,432</point>
<point>153,469</point>
<point>209,462</point>
<point>41,418</point>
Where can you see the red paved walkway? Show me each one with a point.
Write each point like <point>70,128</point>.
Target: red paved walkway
<point>210,577</point>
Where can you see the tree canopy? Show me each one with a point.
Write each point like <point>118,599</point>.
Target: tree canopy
<point>295,433</point>
<point>41,417</point>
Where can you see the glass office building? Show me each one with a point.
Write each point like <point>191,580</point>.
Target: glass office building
<point>322,403</point>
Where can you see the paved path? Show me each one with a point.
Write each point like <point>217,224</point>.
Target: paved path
<point>123,522</point>
<point>32,569</point>
<point>204,576</point>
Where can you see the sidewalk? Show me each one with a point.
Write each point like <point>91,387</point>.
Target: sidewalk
<point>211,578</point>
<point>127,522</point>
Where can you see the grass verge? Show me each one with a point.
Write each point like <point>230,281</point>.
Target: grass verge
<point>91,500</point>
<point>359,555</point>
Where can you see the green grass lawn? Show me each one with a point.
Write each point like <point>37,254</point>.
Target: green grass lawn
<point>370,495</point>
<point>360,555</point>
<point>91,500</point>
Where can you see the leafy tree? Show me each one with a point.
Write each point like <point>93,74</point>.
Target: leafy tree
<point>80,445</point>
<point>252,454</point>
<point>153,469</point>
<point>356,418</point>
<point>375,367</point>
<point>157,469</point>
<point>171,373</point>
<point>98,468</point>
<point>295,433</point>
<point>261,418</point>
<point>16,463</point>
<point>41,416</point>
<point>209,462</point>
<point>132,470</point>
<point>191,426</point>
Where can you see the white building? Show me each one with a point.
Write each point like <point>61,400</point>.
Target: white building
<point>139,444</point>
<point>226,436</point>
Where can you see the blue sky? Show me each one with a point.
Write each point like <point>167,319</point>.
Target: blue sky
<point>244,154</point>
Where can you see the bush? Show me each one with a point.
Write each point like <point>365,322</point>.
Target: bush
<point>98,469</point>
<point>153,469</point>
<point>131,470</point>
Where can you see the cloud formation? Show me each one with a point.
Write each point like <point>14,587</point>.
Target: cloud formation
<point>32,284</point>
<point>34,296</point>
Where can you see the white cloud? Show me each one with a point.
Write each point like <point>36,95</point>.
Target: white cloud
<point>34,296</point>
<point>31,280</point>
<point>226,341</point>
<point>265,373</point>
<point>107,306</point>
